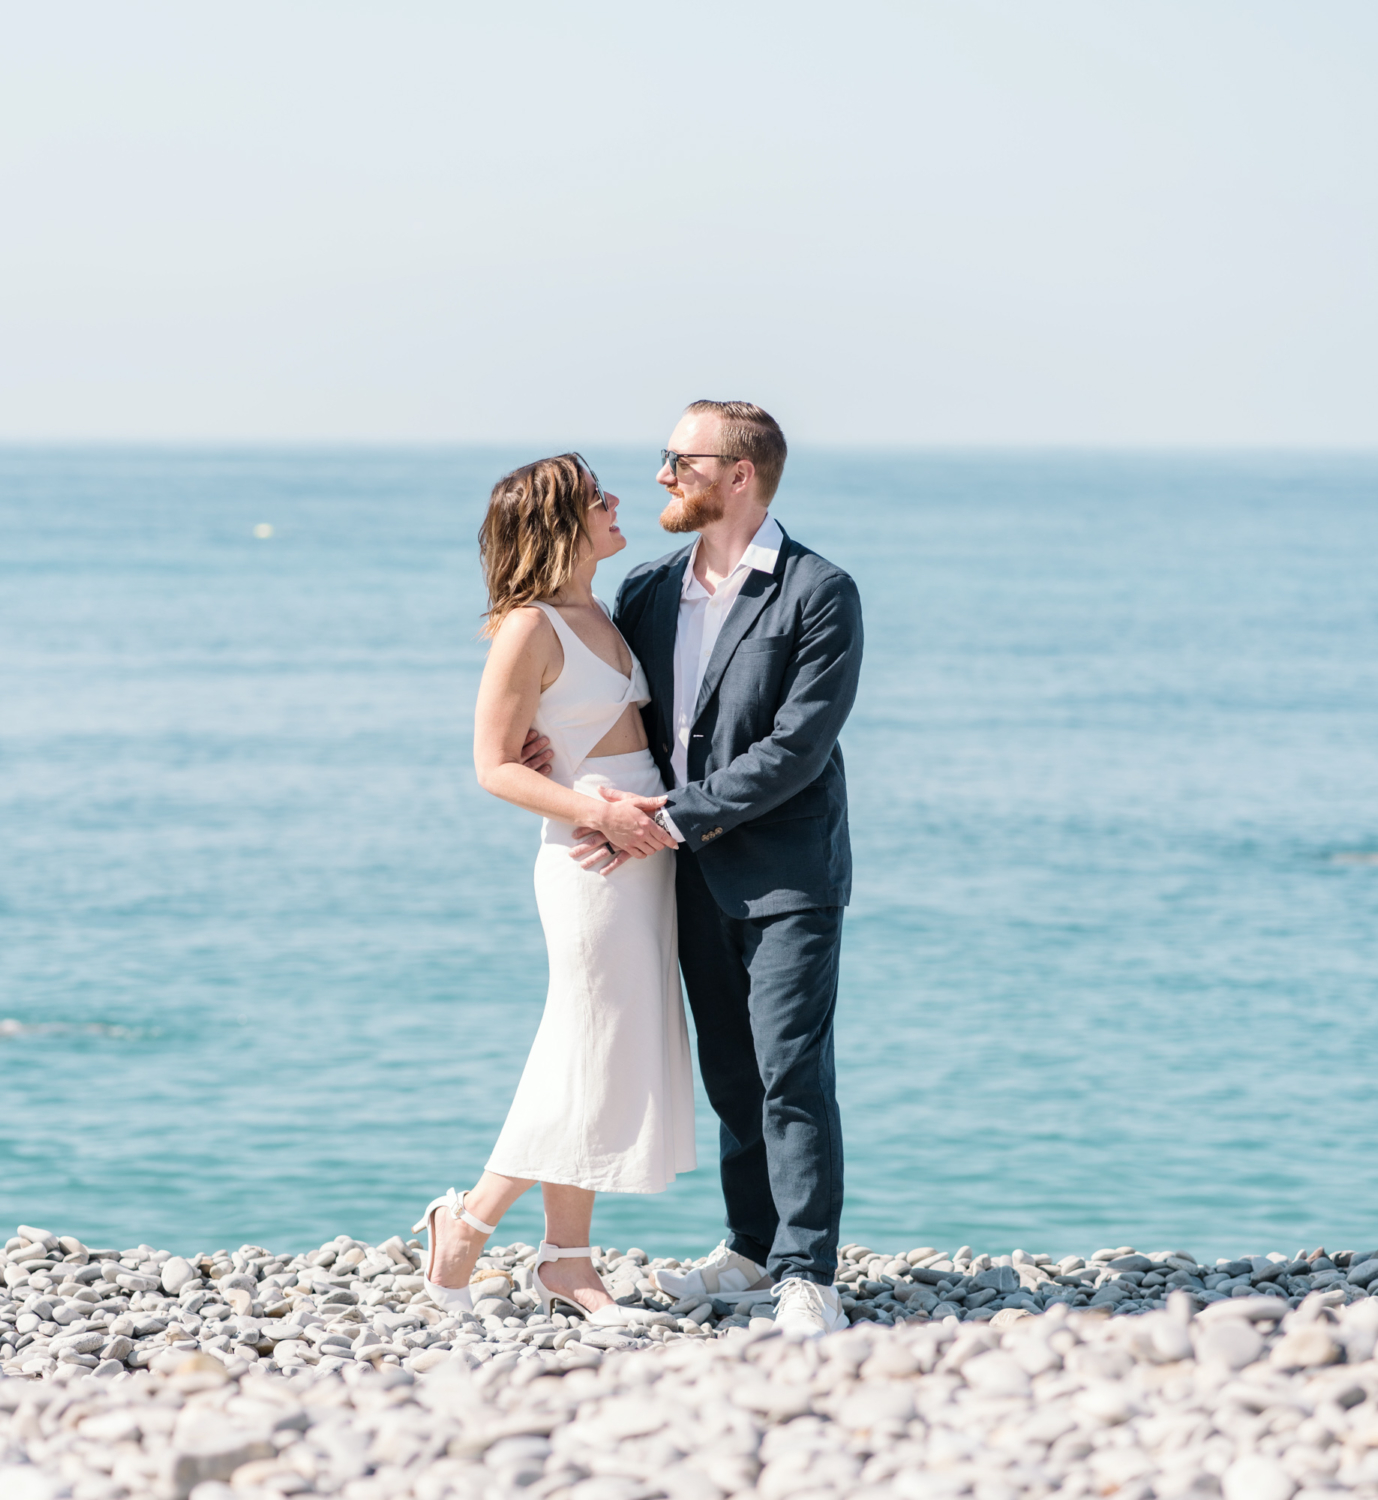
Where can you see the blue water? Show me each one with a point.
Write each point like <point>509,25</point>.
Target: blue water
<point>269,960</point>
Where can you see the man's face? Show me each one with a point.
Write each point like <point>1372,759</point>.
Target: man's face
<point>698,495</point>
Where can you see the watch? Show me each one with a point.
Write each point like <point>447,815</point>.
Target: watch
<point>661,821</point>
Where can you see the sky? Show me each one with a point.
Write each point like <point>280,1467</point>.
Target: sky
<point>989,222</point>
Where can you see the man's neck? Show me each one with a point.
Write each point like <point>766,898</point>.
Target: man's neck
<point>722,543</point>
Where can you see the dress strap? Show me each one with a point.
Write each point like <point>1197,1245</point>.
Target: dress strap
<point>553,615</point>
<point>564,633</point>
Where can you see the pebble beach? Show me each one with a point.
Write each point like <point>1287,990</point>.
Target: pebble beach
<point>245,1373</point>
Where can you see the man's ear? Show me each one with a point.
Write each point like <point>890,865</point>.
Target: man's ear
<point>742,475</point>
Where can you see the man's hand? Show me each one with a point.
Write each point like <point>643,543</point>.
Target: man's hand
<point>605,849</point>
<point>536,753</point>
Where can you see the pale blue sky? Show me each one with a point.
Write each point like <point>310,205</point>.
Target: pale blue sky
<point>993,221</point>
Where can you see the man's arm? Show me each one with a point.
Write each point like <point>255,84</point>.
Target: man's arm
<point>819,689</point>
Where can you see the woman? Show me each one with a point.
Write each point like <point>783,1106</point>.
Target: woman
<point>605,1102</point>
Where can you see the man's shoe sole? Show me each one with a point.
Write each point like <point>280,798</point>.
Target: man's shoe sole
<point>817,1333</point>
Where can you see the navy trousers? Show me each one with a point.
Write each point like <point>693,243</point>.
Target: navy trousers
<point>763,992</point>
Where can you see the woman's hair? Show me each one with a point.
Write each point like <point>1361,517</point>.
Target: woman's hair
<point>532,534</point>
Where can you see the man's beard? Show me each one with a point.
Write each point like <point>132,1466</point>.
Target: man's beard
<point>691,512</point>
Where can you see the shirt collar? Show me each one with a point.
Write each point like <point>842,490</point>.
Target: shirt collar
<point>762,553</point>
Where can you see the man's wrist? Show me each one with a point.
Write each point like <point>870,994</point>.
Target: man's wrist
<point>662,819</point>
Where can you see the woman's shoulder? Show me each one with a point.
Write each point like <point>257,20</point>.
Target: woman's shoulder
<point>525,627</point>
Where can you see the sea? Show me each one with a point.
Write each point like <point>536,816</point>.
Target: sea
<point>269,958</point>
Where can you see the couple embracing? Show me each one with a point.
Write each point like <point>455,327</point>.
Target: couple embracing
<point>684,759</point>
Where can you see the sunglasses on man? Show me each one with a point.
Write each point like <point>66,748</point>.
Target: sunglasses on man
<point>669,456</point>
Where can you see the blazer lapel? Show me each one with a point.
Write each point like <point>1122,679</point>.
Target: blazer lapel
<point>660,669</point>
<point>758,590</point>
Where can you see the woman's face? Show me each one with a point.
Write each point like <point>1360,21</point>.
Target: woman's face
<point>601,518</point>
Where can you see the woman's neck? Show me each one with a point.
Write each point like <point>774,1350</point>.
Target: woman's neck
<point>579,589</point>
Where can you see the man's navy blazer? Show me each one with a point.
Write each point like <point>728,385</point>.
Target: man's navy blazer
<point>765,810</point>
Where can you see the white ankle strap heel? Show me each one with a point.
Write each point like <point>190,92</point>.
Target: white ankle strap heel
<point>455,1203</point>
<point>546,1251</point>
<point>457,1298</point>
<point>544,1254</point>
<point>612,1316</point>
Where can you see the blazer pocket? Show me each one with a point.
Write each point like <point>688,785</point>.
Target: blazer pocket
<point>765,643</point>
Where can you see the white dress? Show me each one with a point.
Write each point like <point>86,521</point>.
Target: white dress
<point>606,1099</point>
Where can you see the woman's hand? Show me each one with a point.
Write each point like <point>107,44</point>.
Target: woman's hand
<point>593,852</point>
<point>625,822</point>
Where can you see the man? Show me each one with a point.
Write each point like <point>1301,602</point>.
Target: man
<point>752,647</point>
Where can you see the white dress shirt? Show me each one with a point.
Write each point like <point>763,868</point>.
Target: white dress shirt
<point>701,617</point>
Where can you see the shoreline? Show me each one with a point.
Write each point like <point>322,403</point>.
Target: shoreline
<point>66,1303</point>
<point>331,1372</point>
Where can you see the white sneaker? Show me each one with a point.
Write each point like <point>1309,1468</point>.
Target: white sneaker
<point>721,1275</point>
<point>808,1310</point>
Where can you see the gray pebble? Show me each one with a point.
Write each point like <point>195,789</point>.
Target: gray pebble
<point>999,1279</point>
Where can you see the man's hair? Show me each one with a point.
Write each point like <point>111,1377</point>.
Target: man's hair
<point>750,432</point>
<point>532,534</point>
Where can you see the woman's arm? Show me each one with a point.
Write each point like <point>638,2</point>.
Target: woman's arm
<point>523,656</point>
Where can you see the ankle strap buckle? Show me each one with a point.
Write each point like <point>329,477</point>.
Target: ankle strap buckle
<point>455,1203</point>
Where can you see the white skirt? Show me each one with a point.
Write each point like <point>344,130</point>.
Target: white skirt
<point>606,1100</point>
